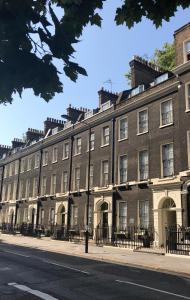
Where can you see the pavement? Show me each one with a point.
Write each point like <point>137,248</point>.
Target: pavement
<point>174,264</point>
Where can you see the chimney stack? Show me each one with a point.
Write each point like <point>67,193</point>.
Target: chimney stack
<point>16,143</point>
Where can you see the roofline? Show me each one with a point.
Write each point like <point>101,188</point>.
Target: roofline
<point>181,28</point>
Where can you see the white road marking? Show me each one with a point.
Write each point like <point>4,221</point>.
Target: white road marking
<point>15,253</point>
<point>153,289</point>
<point>37,293</point>
<point>64,266</point>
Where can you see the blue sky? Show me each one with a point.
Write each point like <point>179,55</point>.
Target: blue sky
<point>105,54</point>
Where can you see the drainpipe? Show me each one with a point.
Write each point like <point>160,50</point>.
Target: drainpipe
<point>113,176</point>
<point>17,190</point>
<point>70,181</point>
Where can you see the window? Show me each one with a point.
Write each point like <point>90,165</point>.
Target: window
<point>77,179</point>
<point>143,121</point>
<point>4,192</point>
<point>187,51</point>
<point>64,182</point>
<point>105,136</point>
<point>187,96</point>
<point>45,158</point>
<point>65,150</point>
<point>16,167</point>
<point>35,187</point>
<point>143,165</point>
<point>44,185</point>
<point>53,184</point>
<point>29,163</point>
<point>92,141</point>
<point>123,129</point>
<point>74,215</point>
<point>188,148</point>
<point>22,168</point>
<point>11,170</point>
<point>21,189</point>
<point>25,217</point>
<point>52,216</point>
<point>54,155</point>
<point>123,169</point>
<point>37,161</point>
<point>78,144</point>
<point>166,113</point>
<point>122,215</point>
<point>167,160</point>
<point>14,190</point>
<point>91,177</point>
<point>41,216</point>
<point>27,192</point>
<point>9,192</point>
<point>90,216</point>
<point>144,214</point>
<point>6,172</point>
<point>105,168</point>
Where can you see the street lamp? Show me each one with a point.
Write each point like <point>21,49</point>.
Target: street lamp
<point>88,180</point>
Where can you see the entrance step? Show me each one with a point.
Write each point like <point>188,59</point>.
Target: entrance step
<point>158,251</point>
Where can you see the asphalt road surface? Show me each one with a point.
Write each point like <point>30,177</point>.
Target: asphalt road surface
<point>34,274</point>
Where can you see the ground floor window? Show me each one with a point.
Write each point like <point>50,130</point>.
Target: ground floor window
<point>144,213</point>
<point>122,215</point>
<point>74,215</point>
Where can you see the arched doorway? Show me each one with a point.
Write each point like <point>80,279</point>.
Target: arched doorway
<point>32,217</point>
<point>61,215</point>
<point>167,217</point>
<point>103,225</point>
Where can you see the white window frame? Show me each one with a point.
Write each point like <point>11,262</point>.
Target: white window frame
<point>139,175</point>
<point>45,158</point>
<point>184,50</point>
<point>77,188</point>
<point>35,187</point>
<point>21,188</point>
<point>63,189</point>
<point>161,123</point>
<point>73,215</point>
<point>148,221</point>
<point>102,163</point>
<point>16,167</point>
<point>78,147</point>
<point>27,188</point>
<point>14,189</point>
<point>37,161</point>
<point>188,147</point>
<point>119,128</point>
<point>54,154</point>
<point>102,136</point>
<point>138,127</point>
<point>161,155</point>
<point>53,184</point>
<point>44,186</point>
<point>9,190</point>
<point>29,163</point>
<point>22,167</point>
<point>119,163</point>
<point>92,145</point>
<point>187,99</point>
<point>118,214</point>
<point>65,156</point>
<point>91,184</point>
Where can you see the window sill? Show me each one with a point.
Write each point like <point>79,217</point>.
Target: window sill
<point>36,167</point>
<point>121,140</point>
<point>187,110</point>
<point>90,150</point>
<point>172,177</point>
<point>44,165</point>
<point>167,125</point>
<point>65,158</point>
<point>77,154</point>
<point>54,162</point>
<point>142,132</point>
<point>102,146</point>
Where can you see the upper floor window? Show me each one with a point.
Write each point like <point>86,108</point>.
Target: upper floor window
<point>105,136</point>
<point>77,179</point>
<point>91,177</point>
<point>105,167</point>
<point>92,141</point>
<point>45,158</point>
<point>166,113</point>
<point>143,165</point>
<point>35,187</point>
<point>64,187</point>
<point>144,213</point>
<point>27,192</point>
<point>187,96</point>
<point>53,184</point>
<point>188,147</point>
<point>4,192</point>
<point>122,215</point>
<point>22,167</point>
<point>16,167</point>
<point>143,121</point>
<point>167,160</point>
<point>123,169</point>
<point>78,145</point>
<point>6,172</point>
<point>21,189</point>
<point>44,185</point>
<point>29,163</point>
<point>11,169</point>
<point>187,51</point>
<point>14,190</point>
<point>65,150</point>
<point>37,161</point>
<point>54,155</point>
<point>123,129</point>
<point>9,192</point>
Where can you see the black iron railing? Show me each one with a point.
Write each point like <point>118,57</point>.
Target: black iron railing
<point>178,240</point>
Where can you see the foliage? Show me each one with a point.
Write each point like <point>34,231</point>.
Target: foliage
<point>33,36</point>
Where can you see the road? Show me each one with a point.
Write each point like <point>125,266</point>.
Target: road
<point>35,274</point>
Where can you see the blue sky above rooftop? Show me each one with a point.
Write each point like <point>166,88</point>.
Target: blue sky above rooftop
<point>105,54</point>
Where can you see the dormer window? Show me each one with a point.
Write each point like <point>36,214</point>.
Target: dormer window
<point>187,51</point>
